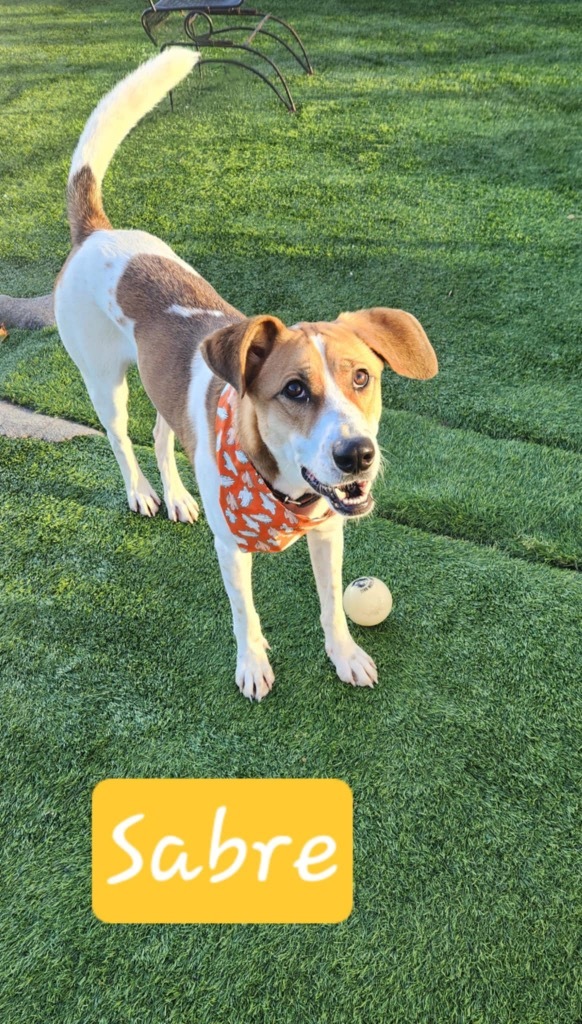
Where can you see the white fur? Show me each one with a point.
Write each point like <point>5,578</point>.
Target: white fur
<point>100,339</point>
<point>187,311</point>
<point>341,419</point>
<point>126,104</point>
<point>205,465</point>
<point>181,506</point>
<point>326,548</point>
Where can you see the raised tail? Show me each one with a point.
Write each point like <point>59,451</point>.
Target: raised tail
<point>110,122</point>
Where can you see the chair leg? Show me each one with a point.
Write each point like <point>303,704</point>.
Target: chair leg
<point>150,20</point>
<point>285,97</point>
<point>304,64</point>
<point>190,22</point>
<point>288,102</point>
<point>207,41</point>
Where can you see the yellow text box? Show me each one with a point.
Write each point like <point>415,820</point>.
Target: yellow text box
<point>239,851</point>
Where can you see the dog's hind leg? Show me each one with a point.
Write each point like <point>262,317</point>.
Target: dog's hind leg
<point>180,504</point>
<point>103,353</point>
<point>109,396</point>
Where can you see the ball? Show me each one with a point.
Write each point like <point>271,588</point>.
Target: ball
<point>367,601</point>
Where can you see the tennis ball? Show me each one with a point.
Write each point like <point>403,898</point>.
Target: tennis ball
<point>367,601</point>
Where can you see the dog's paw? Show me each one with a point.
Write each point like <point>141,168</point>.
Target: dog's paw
<point>143,499</point>
<point>352,664</point>
<point>181,506</point>
<point>254,675</point>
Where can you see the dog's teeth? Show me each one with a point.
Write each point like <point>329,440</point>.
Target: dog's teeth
<point>341,495</point>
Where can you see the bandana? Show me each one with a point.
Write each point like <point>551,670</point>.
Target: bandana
<point>256,518</point>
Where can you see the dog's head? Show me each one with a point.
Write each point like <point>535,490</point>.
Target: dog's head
<point>310,397</point>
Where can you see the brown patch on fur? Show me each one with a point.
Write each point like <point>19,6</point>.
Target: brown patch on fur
<point>237,353</point>
<point>369,398</point>
<point>397,337</point>
<point>151,284</point>
<point>345,353</point>
<point>84,206</point>
<point>168,342</point>
<point>294,358</point>
<point>252,442</point>
<point>248,431</point>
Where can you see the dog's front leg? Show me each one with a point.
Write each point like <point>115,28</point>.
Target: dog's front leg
<point>254,675</point>
<point>326,549</point>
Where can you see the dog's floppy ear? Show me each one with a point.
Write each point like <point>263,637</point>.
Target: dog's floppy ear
<point>397,337</point>
<point>236,353</point>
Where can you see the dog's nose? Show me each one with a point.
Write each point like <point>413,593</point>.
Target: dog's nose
<point>354,455</point>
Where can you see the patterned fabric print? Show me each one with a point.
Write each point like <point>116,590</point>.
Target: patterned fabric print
<point>257,519</point>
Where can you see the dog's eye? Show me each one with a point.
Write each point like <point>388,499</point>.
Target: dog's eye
<point>295,390</point>
<point>361,378</point>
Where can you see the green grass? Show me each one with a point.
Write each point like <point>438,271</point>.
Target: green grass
<point>432,165</point>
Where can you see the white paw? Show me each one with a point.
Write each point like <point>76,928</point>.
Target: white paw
<point>352,664</point>
<point>181,506</point>
<point>143,499</point>
<point>254,675</point>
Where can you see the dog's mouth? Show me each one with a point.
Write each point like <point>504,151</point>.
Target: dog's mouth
<point>353,499</point>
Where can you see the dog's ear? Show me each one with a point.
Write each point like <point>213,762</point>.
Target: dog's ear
<point>397,337</point>
<point>236,353</point>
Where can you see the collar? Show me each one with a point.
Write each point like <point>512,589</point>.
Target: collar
<point>307,499</point>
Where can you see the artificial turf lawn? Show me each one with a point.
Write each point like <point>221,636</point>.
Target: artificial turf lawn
<point>431,166</point>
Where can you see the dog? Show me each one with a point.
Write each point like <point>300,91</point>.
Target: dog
<point>279,422</point>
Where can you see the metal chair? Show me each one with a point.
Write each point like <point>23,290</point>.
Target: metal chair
<point>200,31</point>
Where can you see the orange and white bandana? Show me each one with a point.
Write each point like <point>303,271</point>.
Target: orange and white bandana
<point>257,519</point>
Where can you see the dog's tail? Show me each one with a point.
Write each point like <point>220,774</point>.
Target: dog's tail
<point>108,125</point>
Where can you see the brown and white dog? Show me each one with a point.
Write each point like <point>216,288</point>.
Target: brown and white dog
<point>306,399</point>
